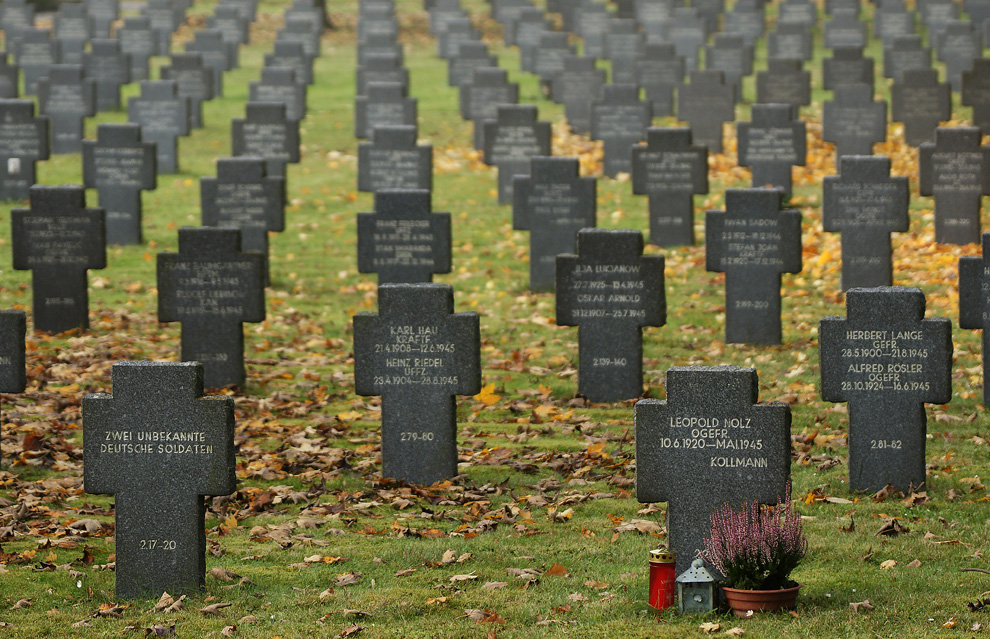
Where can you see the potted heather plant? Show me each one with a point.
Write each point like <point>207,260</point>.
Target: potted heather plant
<point>756,548</point>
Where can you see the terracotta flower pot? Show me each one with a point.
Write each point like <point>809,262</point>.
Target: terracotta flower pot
<point>746,602</point>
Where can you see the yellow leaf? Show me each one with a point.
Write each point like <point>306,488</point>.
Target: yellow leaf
<point>487,395</point>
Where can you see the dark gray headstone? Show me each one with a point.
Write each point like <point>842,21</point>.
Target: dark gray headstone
<point>711,11</point>
<point>845,30</point>
<point>480,100</point>
<point>58,239</point>
<point>458,31</point>
<point>381,67</point>
<point>24,140</point>
<point>279,84</point>
<point>163,117</point>
<point>577,87</point>
<point>936,15</point>
<point>553,203</point>
<point>372,45</point>
<point>110,68</point>
<point>137,40</point>
<point>800,12</point>
<point>119,165</point>
<point>852,7</point>
<point>15,17</point>
<point>34,52</point>
<point>886,360</point>
<point>296,30</point>
<point>955,169</point>
<point>292,55</point>
<point>730,55</point>
<point>623,45</point>
<point>265,132</point>
<point>212,288</point>
<point>976,92</point>
<point>790,42</point>
<point>217,54</point>
<point>159,446</point>
<point>163,19</point>
<point>866,205</point>
<point>470,56</point>
<point>921,102</point>
<point>670,170</point>
<point>549,55</point>
<point>620,120</point>
<point>243,196</point>
<point>393,160</point>
<point>710,443</point>
<point>102,13</point>
<point>784,82</point>
<point>610,291</point>
<point>974,303</point>
<point>771,144</point>
<point>417,354</point>
<point>706,103</point>
<point>9,78</point>
<point>978,11</point>
<point>511,140</point>
<point>958,46</point>
<point>403,241</point>
<point>847,66</point>
<point>905,53</point>
<point>592,24</point>
<point>853,121</point>
<point>688,34</point>
<point>747,18</point>
<point>386,104</point>
<point>888,24</point>
<point>193,80</point>
<point>67,98</point>
<point>753,241</point>
<point>13,327</point>
<point>230,22</point>
<point>659,72</point>
<point>72,29</point>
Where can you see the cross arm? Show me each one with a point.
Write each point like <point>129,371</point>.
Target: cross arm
<point>971,293</point>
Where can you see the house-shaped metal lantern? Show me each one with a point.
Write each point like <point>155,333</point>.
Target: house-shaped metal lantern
<point>696,589</point>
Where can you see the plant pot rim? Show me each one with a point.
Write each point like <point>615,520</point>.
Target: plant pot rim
<point>794,587</point>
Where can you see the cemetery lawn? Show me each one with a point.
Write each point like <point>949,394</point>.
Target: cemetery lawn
<point>541,533</point>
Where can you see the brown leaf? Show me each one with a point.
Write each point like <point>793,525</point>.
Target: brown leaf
<point>228,631</point>
<point>495,585</point>
<point>214,609</point>
<point>348,612</point>
<point>350,630</point>
<point>735,632</point>
<point>164,602</point>
<point>892,528</point>
<point>85,623</point>
<point>861,605</point>
<point>576,596</point>
<point>884,493</point>
<point>887,565</point>
<point>914,564</point>
<point>21,603</point>
<point>467,577</point>
<point>404,573</point>
<point>709,627</point>
<point>347,579</point>
<point>223,574</point>
<point>159,630</point>
<point>247,620</point>
<point>556,570</point>
<point>449,557</point>
<point>483,616</point>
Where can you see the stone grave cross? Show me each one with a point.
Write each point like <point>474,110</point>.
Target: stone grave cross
<point>976,91</point>
<point>24,140</point>
<point>58,239</point>
<point>866,205</point>
<point>708,444</point>
<point>853,121</point>
<point>417,354</point>
<point>886,360</point>
<point>163,117</point>
<point>956,171</point>
<point>706,103</point>
<point>610,291</point>
<point>511,140</point>
<point>403,241</point>
<point>266,132</point>
<point>119,165</point>
<point>753,241</point>
<point>212,288</point>
<point>13,327</point>
<point>670,170</point>
<point>974,303</point>
<point>772,143</point>
<point>159,447</point>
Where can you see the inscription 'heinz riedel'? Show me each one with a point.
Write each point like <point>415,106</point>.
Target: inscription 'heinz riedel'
<point>708,444</point>
<point>417,354</point>
<point>886,360</point>
<point>158,446</point>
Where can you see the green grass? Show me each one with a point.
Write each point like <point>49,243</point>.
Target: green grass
<point>307,444</point>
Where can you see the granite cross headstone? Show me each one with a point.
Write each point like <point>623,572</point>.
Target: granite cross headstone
<point>403,241</point>
<point>279,84</point>
<point>771,144</point>
<point>385,104</point>
<point>706,103</point>
<point>110,68</point>
<point>753,241</point>
<point>891,22</point>
<point>212,288</point>
<point>845,30</point>
<point>137,41</point>
<point>577,87</point>
<point>72,30</point>
<point>921,102</point>
<point>866,205</point>
<point>159,446</point>
<point>784,82</point>
<point>853,121</point>
<point>470,56</point>
<point>658,73</point>
<point>790,42</point>
<point>34,53</point>
<point>976,91</point>
<point>610,291</point>
<point>480,99</point>
<point>511,140</point>
<point>886,360</point>
<point>58,239</point>
<point>670,170</point>
<point>67,98</point>
<point>218,55</point>
<point>620,120</point>
<point>417,354</point>
<point>905,53</point>
<point>974,303</point>
<point>265,132</point>
<point>847,66</point>
<point>292,55</point>
<point>730,55</point>
<point>553,203</point>
<point>709,443</point>
<point>956,171</point>
<point>24,140</point>
<point>193,80</point>
<point>9,76</point>
<point>958,46</point>
<point>13,378</point>
<point>163,116</point>
<point>393,160</point>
